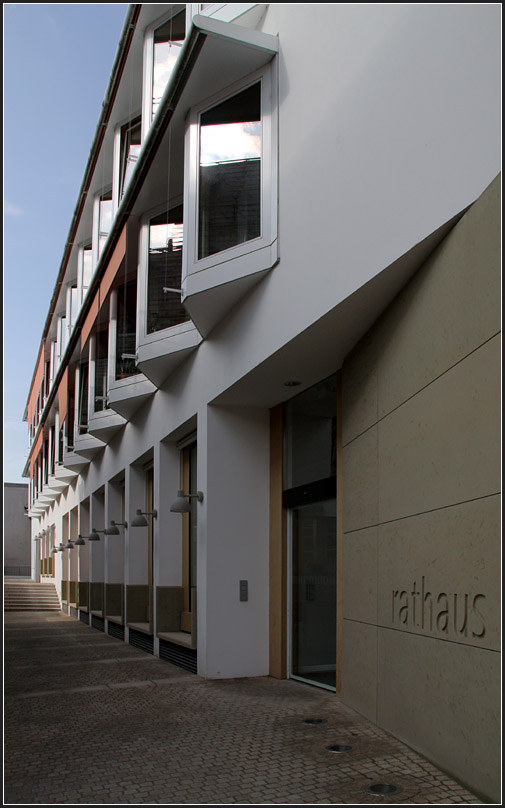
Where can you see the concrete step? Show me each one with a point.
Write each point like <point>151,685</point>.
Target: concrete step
<point>25,595</point>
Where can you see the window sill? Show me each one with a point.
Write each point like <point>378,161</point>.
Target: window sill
<point>104,425</point>
<point>86,446</point>
<point>127,395</point>
<point>160,353</point>
<point>210,294</point>
<point>74,461</point>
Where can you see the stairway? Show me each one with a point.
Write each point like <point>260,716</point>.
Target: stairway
<point>24,595</point>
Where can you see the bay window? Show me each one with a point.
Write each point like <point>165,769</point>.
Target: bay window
<point>164,263</point>
<point>162,47</point>
<point>126,330</point>
<point>230,199</point>
<point>102,222</point>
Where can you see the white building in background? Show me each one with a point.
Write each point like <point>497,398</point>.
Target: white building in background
<point>280,295</point>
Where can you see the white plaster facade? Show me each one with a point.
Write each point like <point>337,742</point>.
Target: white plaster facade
<point>382,127</point>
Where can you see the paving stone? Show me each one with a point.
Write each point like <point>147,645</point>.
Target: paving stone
<point>95,722</point>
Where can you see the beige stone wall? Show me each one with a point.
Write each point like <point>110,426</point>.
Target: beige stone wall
<point>421,482</point>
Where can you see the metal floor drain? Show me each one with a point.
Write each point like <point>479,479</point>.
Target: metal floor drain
<point>383,789</point>
<point>339,748</point>
<point>313,721</point>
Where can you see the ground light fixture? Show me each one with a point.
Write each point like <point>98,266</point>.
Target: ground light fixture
<point>180,505</point>
<point>94,535</point>
<point>112,530</point>
<point>140,519</point>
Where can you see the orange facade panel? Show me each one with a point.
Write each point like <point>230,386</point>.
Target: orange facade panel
<point>36,382</point>
<point>90,319</point>
<point>34,451</point>
<point>105,284</point>
<point>113,266</point>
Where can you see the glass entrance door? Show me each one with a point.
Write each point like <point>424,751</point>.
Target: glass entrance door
<point>313,593</point>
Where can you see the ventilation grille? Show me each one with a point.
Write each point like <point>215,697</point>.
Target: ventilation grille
<point>84,617</point>
<point>140,640</point>
<point>179,655</point>
<point>98,622</point>
<point>115,631</point>
<point>74,612</point>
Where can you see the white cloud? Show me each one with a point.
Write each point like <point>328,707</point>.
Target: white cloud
<point>12,210</point>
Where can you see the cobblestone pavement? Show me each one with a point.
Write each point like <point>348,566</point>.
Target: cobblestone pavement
<point>91,720</point>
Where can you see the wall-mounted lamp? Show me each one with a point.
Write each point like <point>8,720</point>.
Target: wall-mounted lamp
<point>181,505</point>
<point>61,547</point>
<point>79,542</point>
<point>93,536</point>
<point>69,545</point>
<point>113,529</point>
<point>139,520</point>
<point>54,550</point>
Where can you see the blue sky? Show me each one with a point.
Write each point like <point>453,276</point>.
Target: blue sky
<point>57,61</point>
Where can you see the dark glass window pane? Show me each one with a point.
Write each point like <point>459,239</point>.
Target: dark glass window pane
<point>130,149</point>
<point>164,309</point>
<point>310,435</point>
<point>230,173</point>
<point>314,593</point>
<point>83,398</point>
<point>168,39</point>
<point>101,357</point>
<point>126,329</point>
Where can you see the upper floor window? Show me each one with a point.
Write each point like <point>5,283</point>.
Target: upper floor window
<point>164,264</point>
<point>104,219</point>
<point>229,204</point>
<point>126,327</point>
<point>84,271</point>
<point>129,149</point>
<point>231,175</point>
<point>101,368</point>
<point>163,45</point>
<point>102,222</point>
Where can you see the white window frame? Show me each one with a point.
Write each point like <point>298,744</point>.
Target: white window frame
<point>147,88</point>
<point>81,293</point>
<point>143,338</point>
<point>254,248</point>
<point>96,224</point>
<point>116,171</point>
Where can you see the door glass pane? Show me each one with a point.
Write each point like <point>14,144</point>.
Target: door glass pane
<point>193,503</point>
<point>313,619</point>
